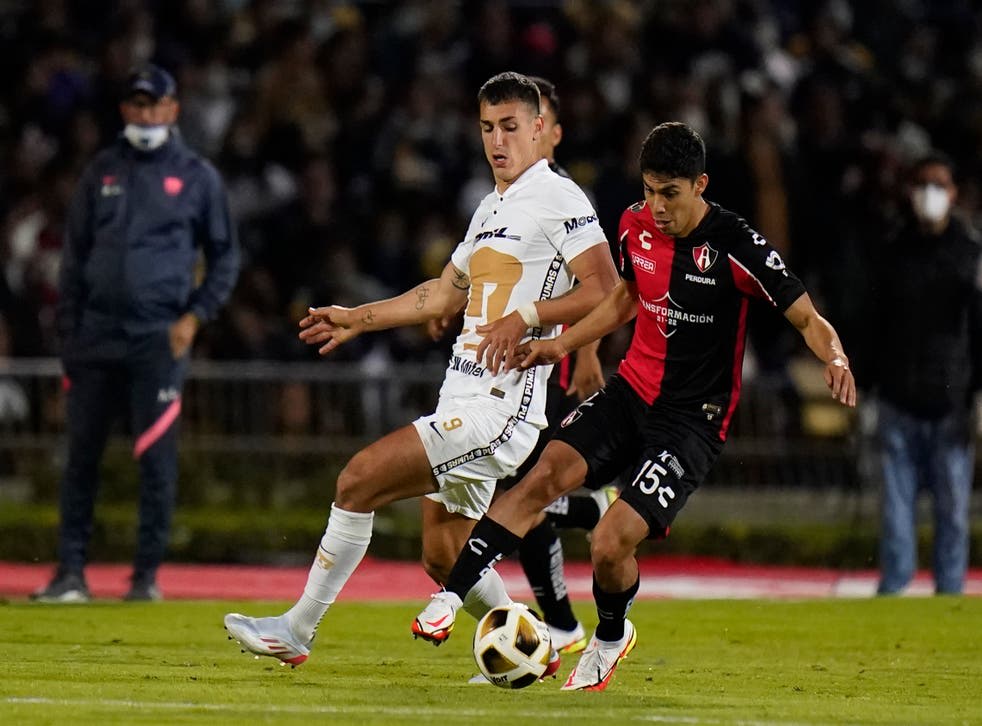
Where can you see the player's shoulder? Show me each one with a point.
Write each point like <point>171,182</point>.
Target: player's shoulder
<point>636,217</point>
<point>728,228</point>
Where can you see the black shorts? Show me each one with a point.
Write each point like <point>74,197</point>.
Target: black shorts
<point>664,451</point>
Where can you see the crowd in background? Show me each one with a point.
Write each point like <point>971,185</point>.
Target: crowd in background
<point>347,135</point>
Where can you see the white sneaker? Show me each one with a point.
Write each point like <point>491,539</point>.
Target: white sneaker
<point>599,660</point>
<point>436,621</point>
<point>568,642</point>
<point>267,636</point>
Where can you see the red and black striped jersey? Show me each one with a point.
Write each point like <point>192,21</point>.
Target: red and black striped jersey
<point>693,292</point>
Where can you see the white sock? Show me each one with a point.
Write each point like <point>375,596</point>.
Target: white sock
<point>489,592</point>
<point>342,548</point>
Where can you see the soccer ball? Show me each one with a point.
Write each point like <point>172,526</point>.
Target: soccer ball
<point>512,646</point>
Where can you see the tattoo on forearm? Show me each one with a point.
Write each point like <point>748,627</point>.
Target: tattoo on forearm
<point>421,294</point>
<point>461,281</point>
<point>368,318</point>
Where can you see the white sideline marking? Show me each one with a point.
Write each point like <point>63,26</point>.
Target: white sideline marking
<point>264,708</point>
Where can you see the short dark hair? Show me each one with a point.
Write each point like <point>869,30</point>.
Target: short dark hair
<point>547,90</point>
<point>509,86</point>
<point>930,159</point>
<point>673,150</point>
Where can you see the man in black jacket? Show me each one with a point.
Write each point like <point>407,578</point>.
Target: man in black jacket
<point>928,295</point>
<point>130,305</point>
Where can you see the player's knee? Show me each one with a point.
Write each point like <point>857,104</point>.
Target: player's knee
<point>548,480</point>
<point>352,491</point>
<point>609,547</point>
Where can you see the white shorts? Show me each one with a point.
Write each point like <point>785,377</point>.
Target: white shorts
<point>470,447</point>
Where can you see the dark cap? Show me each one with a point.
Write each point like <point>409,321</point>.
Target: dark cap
<point>151,80</point>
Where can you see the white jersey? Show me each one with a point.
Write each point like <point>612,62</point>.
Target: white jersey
<point>516,251</point>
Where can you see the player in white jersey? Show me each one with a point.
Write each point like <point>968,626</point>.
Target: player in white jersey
<point>514,271</point>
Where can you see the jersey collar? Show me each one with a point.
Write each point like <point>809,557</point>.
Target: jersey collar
<point>525,178</point>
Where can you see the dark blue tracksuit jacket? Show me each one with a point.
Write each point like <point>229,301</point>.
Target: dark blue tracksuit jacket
<point>134,231</point>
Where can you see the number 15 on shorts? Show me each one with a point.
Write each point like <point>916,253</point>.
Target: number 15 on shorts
<point>648,481</point>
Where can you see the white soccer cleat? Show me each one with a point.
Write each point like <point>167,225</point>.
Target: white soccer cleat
<point>568,642</point>
<point>267,636</point>
<point>599,660</point>
<point>436,621</point>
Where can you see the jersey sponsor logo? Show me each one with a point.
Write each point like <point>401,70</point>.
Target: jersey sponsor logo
<point>643,263</point>
<point>110,186</point>
<point>465,366</point>
<point>500,233</point>
<point>578,222</point>
<point>704,256</point>
<point>668,314</point>
<point>700,280</point>
<point>173,185</point>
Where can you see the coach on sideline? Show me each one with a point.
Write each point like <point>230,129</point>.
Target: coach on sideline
<point>128,312</point>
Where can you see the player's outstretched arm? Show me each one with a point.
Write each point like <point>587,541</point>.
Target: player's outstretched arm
<point>594,270</point>
<point>333,325</point>
<point>824,343</point>
<point>617,308</point>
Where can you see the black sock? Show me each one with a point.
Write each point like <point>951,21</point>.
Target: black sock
<point>541,555</point>
<point>612,609</point>
<point>580,511</point>
<point>488,543</point>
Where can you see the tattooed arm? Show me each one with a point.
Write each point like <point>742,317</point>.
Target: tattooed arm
<point>333,325</point>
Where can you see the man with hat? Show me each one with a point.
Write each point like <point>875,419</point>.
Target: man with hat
<point>145,209</point>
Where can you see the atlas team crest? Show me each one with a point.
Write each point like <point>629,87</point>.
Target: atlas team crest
<point>704,256</point>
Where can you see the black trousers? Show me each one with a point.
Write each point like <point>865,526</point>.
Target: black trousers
<point>147,384</point>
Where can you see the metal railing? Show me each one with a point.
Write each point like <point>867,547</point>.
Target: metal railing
<point>270,411</point>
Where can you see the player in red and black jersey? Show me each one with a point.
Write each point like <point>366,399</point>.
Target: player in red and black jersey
<point>688,268</point>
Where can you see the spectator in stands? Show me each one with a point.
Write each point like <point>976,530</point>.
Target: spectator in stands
<point>128,313</point>
<point>927,308</point>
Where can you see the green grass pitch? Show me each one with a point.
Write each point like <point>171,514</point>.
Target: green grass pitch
<point>881,661</point>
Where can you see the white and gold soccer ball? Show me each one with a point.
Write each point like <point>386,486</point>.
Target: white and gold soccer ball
<point>512,646</point>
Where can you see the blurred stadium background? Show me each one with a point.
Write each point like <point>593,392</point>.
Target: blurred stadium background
<point>347,138</point>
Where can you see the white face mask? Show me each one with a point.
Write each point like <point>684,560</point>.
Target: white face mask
<point>146,138</point>
<point>931,202</point>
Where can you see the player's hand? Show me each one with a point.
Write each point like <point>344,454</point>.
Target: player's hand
<point>501,338</point>
<point>436,327</point>
<point>840,380</point>
<point>588,375</point>
<point>181,334</point>
<point>539,353</point>
<point>329,327</point>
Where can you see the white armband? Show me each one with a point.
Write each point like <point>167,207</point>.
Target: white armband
<point>529,314</point>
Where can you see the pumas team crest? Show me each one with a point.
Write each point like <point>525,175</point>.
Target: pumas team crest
<point>704,256</point>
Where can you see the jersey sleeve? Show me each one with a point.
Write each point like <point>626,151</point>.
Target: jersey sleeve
<point>760,271</point>
<point>461,255</point>
<point>624,265</point>
<point>571,224</point>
